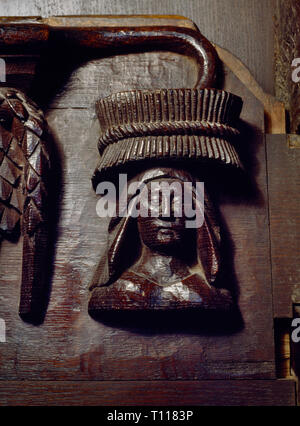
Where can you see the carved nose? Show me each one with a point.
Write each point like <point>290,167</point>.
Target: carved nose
<point>167,210</point>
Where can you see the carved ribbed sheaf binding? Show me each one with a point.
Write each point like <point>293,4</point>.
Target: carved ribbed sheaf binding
<point>167,123</point>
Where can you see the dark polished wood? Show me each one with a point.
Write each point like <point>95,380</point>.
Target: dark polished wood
<point>81,241</point>
<point>34,37</point>
<point>72,354</point>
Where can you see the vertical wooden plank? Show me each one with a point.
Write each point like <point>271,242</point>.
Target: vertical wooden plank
<point>284,204</point>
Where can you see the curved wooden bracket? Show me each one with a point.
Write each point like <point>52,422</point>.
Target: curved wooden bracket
<point>33,37</point>
<point>274,110</point>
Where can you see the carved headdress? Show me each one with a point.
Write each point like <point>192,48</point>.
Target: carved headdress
<point>168,124</point>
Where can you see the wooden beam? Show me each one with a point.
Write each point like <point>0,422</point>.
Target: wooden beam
<point>155,393</point>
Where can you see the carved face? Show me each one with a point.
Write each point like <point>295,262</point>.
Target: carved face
<point>164,228</point>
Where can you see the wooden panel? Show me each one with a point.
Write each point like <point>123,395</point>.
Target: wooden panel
<point>69,343</point>
<point>235,392</point>
<point>245,27</point>
<point>284,189</point>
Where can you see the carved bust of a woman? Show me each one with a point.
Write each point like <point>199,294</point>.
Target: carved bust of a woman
<point>156,262</point>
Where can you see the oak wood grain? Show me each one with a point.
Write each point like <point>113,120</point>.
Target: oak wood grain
<point>284,187</point>
<point>155,393</point>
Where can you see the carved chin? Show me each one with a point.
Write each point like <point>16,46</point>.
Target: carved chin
<point>164,238</point>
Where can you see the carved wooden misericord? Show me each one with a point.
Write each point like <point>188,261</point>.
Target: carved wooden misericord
<point>169,267</point>
<point>165,110</point>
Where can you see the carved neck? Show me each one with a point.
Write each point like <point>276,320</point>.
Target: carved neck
<point>160,267</point>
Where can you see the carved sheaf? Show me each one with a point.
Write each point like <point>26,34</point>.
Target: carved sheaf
<point>24,168</point>
<point>167,124</point>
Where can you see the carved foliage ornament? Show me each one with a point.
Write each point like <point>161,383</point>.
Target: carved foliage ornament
<point>24,171</point>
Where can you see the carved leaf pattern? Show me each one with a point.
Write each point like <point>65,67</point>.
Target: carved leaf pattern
<point>24,171</point>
